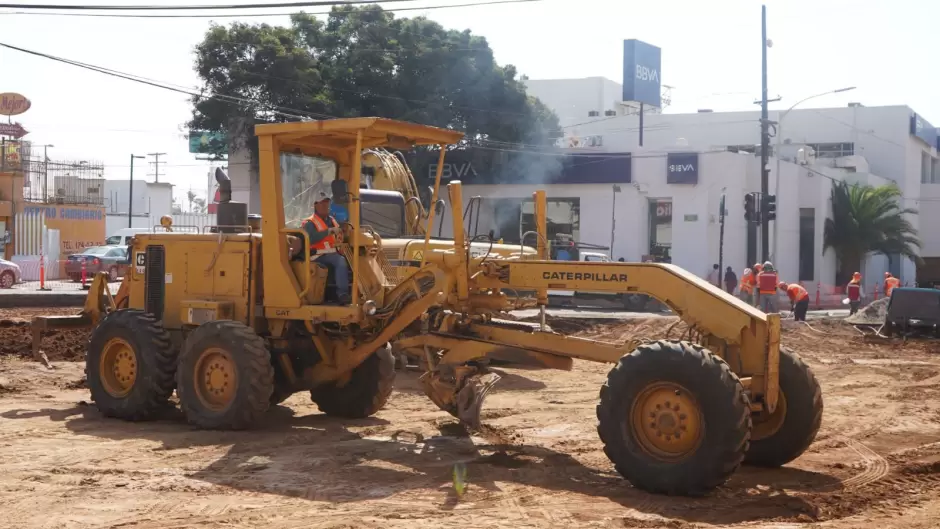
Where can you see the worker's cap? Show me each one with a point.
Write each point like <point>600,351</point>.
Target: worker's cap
<point>321,196</point>
<point>857,274</point>
<point>768,263</point>
<point>887,274</point>
<point>782,285</point>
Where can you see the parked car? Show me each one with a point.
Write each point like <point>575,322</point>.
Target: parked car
<point>110,259</point>
<point>10,274</point>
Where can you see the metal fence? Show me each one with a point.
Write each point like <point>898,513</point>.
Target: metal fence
<point>39,274</point>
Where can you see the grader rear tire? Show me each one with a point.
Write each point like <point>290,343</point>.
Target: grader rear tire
<point>225,379</point>
<point>781,437</point>
<point>365,393</point>
<point>674,418</point>
<point>129,365</point>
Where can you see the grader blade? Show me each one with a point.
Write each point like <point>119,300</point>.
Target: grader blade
<point>460,391</point>
<point>470,398</point>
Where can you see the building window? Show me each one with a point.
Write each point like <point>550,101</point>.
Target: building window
<point>925,168</point>
<point>935,171</point>
<point>807,244</point>
<point>516,216</point>
<point>833,150</point>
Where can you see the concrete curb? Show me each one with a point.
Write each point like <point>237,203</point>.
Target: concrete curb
<point>16,300</point>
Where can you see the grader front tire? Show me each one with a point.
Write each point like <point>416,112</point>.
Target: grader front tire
<point>784,435</point>
<point>129,365</point>
<point>674,419</point>
<point>364,394</point>
<point>225,379</point>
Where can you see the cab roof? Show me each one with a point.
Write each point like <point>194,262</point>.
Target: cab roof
<point>340,134</point>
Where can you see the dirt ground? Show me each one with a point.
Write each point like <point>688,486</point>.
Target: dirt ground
<point>539,463</point>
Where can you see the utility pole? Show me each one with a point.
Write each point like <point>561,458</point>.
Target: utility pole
<point>156,165</point>
<point>721,236</point>
<point>130,194</point>
<point>764,140</point>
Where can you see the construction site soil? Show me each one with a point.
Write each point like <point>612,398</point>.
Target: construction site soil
<point>537,462</point>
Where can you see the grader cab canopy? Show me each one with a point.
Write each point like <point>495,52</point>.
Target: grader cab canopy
<point>235,322</point>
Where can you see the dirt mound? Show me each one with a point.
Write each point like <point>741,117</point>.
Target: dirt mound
<point>65,345</point>
<point>872,314</point>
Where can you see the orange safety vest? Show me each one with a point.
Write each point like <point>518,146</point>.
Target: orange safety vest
<point>747,282</point>
<point>890,284</point>
<point>854,290</point>
<point>797,293</point>
<point>326,244</point>
<point>767,282</point>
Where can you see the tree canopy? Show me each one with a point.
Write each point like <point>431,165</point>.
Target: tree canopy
<point>868,220</point>
<point>364,61</point>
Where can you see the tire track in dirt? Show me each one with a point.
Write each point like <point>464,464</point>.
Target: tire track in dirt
<point>876,466</point>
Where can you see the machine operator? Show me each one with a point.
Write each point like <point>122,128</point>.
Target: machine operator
<point>325,233</point>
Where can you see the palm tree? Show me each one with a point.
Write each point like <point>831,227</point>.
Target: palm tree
<point>867,220</point>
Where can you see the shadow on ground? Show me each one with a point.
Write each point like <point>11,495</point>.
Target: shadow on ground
<point>319,458</point>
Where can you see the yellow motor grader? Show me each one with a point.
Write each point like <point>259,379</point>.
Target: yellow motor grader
<point>235,320</point>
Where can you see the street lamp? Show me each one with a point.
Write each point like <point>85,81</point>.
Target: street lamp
<point>130,194</point>
<point>780,119</point>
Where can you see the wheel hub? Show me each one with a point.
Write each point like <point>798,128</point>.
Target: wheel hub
<point>118,367</point>
<point>216,378</point>
<point>667,421</point>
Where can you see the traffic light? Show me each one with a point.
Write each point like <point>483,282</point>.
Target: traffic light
<point>750,210</point>
<point>771,207</point>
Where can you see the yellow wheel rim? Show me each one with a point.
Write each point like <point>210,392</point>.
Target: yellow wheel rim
<point>117,367</point>
<point>667,421</point>
<point>766,425</point>
<point>216,378</point>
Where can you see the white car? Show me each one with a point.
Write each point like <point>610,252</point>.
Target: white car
<point>10,274</point>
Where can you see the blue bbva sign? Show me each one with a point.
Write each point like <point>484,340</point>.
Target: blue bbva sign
<point>641,73</point>
<point>922,129</point>
<point>682,168</point>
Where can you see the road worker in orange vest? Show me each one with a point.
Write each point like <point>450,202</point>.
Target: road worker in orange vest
<point>891,283</point>
<point>747,286</point>
<point>755,292</point>
<point>799,299</point>
<point>325,233</point>
<point>767,281</point>
<point>854,292</point>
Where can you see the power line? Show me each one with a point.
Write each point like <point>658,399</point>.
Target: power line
<point>269,5</point>
<point>290,113</point>
<point>283,111</point>
<point>255,15</point>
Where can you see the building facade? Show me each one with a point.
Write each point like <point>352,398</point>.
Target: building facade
<point>657,207</point>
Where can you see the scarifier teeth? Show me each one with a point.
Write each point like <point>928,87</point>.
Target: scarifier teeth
<point>470,398</point>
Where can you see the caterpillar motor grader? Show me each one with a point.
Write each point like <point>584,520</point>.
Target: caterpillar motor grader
<point>232,322</point>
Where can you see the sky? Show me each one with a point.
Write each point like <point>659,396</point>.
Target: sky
<point>710,56</point>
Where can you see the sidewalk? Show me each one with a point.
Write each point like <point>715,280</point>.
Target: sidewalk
<point>60,293</point>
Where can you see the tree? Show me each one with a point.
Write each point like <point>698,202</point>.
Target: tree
<point>867,220</point>
<point>363,61</point>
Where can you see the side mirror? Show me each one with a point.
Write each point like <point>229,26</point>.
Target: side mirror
<point>439,208</point>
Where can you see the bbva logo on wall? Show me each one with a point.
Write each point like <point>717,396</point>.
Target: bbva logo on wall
<point>682,168</point>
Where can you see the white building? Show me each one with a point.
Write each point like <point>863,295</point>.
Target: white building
<point>149,200</point>
<point>860,144</point>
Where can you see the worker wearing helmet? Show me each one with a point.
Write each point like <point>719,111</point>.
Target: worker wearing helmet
<point>324,233</point>
<point>799,299</point>
<point>748,281</point>
<point>854,292</point>
<point>767,287</point>
<point>755,292</point>
<point>891,283</point>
